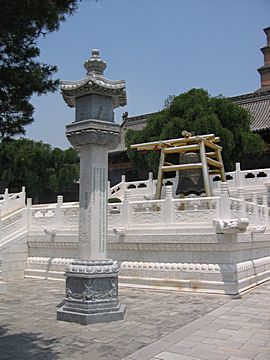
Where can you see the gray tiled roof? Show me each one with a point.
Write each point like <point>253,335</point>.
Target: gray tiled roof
<point>260,112</point>
<point>258,104</point>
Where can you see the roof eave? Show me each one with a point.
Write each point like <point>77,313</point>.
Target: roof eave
<point>119,97</point>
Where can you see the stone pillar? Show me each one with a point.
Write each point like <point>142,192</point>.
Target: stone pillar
<point>126,209</point>
<point>238,176</point>
<point>241,195</point>
<point>265,204</point>
<point>93,202</point>
<point>150,185</point>
<point>225,202</point>
<point>92,280</point>
<point>254,200</point>
<point>168,205</point>
<point>124,184</point>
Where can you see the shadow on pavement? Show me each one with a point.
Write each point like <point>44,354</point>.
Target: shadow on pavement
<point>26,345</point>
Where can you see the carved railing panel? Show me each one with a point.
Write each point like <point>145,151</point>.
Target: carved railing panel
<point>194,216</point>
<point>13,223</point>
<point>236,208</point>
<point>115,214</point>
<point>70,215</point>
<point>195,210</point>
<point>43,217</point>
<point>146,212</point>
<point>10,202</point>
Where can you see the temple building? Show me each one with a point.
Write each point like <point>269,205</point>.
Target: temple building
<point>257,103</point>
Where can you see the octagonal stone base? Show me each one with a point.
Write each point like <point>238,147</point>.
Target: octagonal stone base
<point>92,293</point>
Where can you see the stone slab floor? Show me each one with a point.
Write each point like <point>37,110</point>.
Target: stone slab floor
<point>158,325</point>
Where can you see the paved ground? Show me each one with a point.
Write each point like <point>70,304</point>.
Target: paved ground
<point>158,325</point>
<point>238,330</point>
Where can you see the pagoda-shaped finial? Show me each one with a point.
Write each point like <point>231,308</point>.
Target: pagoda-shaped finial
<point>265,69</point>
<point>95,66</point>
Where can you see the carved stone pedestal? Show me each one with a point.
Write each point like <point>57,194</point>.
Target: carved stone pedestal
<point>92,293</point>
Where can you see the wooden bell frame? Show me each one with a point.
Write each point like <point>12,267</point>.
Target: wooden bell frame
<point>205,145</point>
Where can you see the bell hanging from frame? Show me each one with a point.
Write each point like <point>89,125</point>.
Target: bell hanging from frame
<point>190,181</point>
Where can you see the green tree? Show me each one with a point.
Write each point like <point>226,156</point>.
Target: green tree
<point>64,169</point>
<point>196,111</point>
<point>22,22</point>
<point>37,166</point>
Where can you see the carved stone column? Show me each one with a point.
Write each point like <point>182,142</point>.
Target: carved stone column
<point>92,280</point>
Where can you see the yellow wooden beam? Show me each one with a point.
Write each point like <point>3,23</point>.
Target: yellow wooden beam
<point>214,163</point>
<point>179,149</point>
<point>214,172</point>
<point>211,145</point>
<point>173,142</point>
<point>205,170</point>
<point>211,154</point>
<point>219,158</point>
<point>160,175</point>
<point>181,167</point>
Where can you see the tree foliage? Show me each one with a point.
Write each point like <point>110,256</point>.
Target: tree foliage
<point>196,111</point>
<point>22,22</point>
<point>37,166</point>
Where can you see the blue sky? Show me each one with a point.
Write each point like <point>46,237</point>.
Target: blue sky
<point>160,47</point>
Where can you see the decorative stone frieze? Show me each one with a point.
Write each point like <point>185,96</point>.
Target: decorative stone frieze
<point>100,267</point>
<point>170,266</point>
<point>91,289</point>
<point>52,245</point>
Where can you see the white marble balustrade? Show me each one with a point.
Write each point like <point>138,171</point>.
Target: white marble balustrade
<point>132,213</point>
<point>251,180</point>
<point>186,212</point>
<point>11,201</point>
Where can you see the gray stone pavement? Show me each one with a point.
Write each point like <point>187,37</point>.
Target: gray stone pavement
<point>158,325</point>
<point>237,330</point>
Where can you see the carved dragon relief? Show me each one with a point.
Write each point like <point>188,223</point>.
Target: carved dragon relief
<point>92,289</point>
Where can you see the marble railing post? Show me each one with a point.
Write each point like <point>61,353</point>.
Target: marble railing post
<point>23,195</point>
<point>29,211</point>
<point>59,212</point>
<point>150,185</point>
<point>168,205</point>
<point>241,194</point>
<point>225,212</point>
<point>123,186</point>
<point>238,176</point>
<point>254,200</point>
<point>126,209</point>
<point>265,204</point>
<point>6,200</point>
<point>123,178</point>
<point>1,224</point>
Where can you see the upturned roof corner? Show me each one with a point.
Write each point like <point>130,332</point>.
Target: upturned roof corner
<point>94,83</point>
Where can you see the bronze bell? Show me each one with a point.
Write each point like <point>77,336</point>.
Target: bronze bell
<point>190,180</point>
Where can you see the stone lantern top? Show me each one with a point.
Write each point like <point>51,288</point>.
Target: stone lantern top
<point>95,66</point>
<point>94,83</point>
